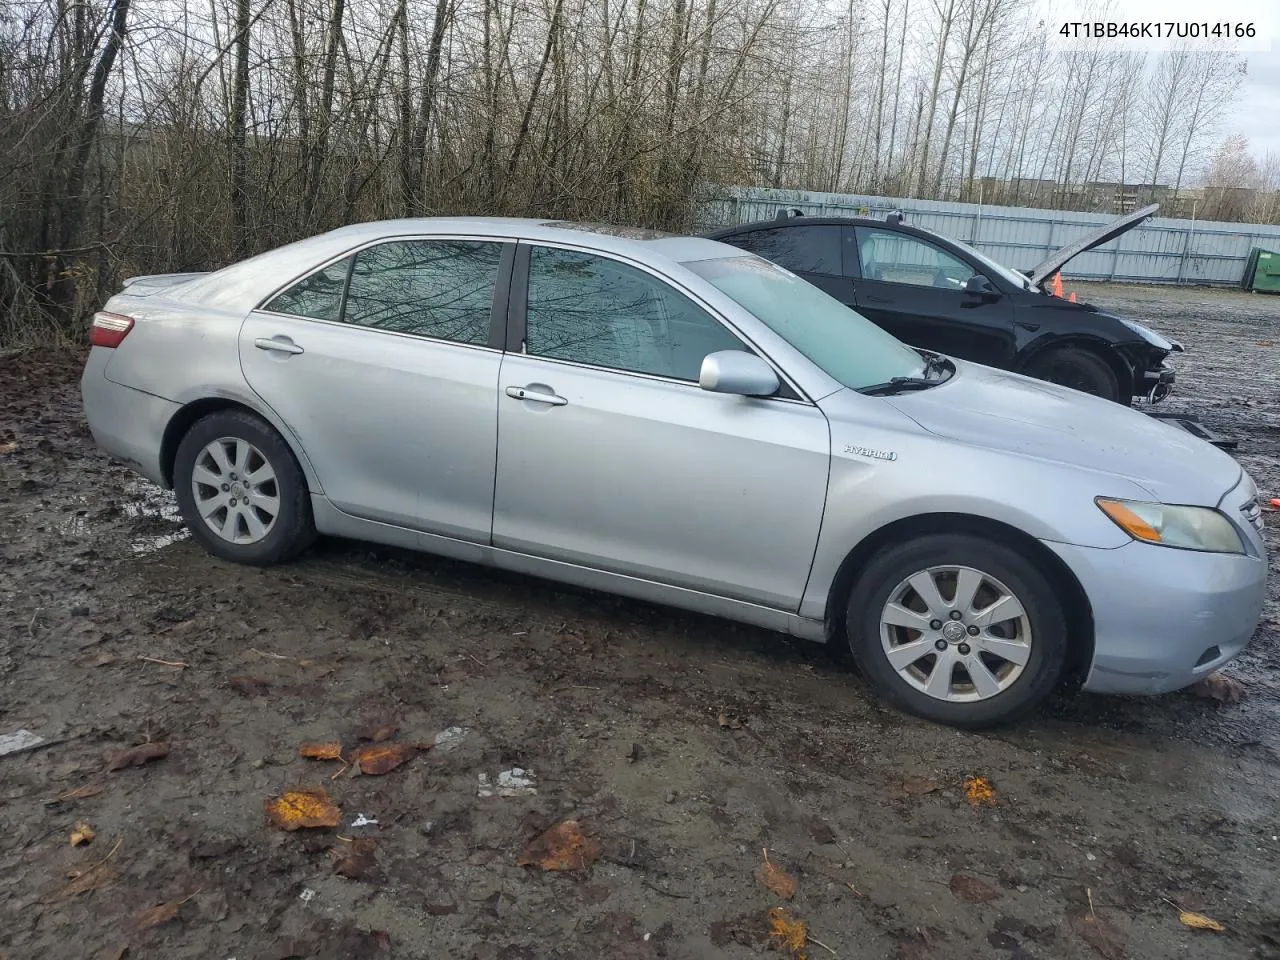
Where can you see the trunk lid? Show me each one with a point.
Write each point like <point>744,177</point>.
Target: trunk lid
<point>147,284</point>
<point>1095,238</point>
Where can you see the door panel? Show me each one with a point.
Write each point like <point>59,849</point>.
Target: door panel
<point>914,290</point>
<point>660,480</point>
<point>611,456</point>
<point>399,428</point>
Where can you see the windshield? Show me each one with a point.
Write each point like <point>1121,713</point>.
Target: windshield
<point>843,343</point>
<point>1013,276</point>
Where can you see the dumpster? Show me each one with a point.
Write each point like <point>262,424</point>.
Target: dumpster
<point>1262,271</point>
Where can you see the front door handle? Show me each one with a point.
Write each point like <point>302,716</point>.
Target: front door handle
<point>537,396</point>
<point>282,345</point>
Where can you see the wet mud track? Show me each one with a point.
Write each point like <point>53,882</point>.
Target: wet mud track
<point>681,744</point>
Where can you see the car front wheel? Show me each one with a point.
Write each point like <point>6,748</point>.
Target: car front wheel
<point>241,491</point>
<point>957,629</point>
<point>1078,369</point>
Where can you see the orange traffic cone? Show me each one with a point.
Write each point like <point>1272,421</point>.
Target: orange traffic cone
<point>1072,298</point>
<point>1057,285</point>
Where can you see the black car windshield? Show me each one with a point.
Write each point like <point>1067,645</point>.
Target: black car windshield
<point>842,342</point>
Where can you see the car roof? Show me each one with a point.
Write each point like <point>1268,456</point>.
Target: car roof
<point>807,221</point>
<point>612,238</point>
<point>242,284</point>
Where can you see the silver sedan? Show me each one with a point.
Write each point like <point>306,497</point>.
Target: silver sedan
<point>672,419</point>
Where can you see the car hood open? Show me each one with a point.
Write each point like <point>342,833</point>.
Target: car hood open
<point>1095,238</point>
<point>1006,411</point>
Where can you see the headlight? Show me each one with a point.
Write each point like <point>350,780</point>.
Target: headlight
<point>1147,334</point>
<point>1191,528</point>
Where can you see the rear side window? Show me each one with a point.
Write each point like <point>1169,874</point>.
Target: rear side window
<point>318,297</point>
<point>431,288</point>
<point>811,249</point>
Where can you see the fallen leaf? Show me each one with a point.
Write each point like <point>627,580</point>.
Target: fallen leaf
<point>1264,343</point>
<point>379,758</point>
<point>248,686</point>
<point>980,791</point>
<point>297,809</point>
<point>972,890</point>
<point>82,833</point>
<point>79,793</point>
<point>915,786</point>
<point>137,756</point>
<point>113,953</point>
<point>8,447</point>
<point>1099,933</point>
<point>378,734</point>
<point>729,723</point>
<point>562,847</point>
<point>104,658</point>
<point>792,934</point>
<point>355,860</point>
<point>321,751</point>
<point>158,915</point>
<point>1198,921</point>
<point>1217,687</point>
<point>776,879</point>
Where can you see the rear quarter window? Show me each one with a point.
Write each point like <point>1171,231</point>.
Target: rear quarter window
<point>800,249</point>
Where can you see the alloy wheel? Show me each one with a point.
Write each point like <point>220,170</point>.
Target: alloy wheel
<point>235,489</point>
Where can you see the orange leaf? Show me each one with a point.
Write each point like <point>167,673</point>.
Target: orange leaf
<point>1198,921</point>
<point>776,879</point>
<point>378,758</point>
<point>980,792</point>
<point>303,808</point>
<point>562,847</point>
<point>791,933</point>
<point>321,751</point>
<point>82,833</point>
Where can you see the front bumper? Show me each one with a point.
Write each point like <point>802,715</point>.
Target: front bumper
<point>1155,385</point>
<point>1164,618</point>
<point>126,423</point>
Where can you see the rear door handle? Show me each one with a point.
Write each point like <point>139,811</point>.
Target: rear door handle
<point>537,396</point>
<point>282,345</point>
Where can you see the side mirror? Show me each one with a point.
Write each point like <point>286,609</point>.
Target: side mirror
<point>737,372</point>
<point>981,286</point>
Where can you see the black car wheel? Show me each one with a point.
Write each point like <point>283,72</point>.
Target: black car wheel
<point>1078,369</point>
<point>957,629</point>
<point>240,490</point>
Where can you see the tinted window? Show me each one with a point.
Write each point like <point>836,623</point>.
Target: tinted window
<point>593,310</point>
<point>319,296</point>
<point>798,249</point>
<point>899,258</point>
<point>432,288</point>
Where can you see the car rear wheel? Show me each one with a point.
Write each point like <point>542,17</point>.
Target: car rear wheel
<point>241,491</point>
<point>1078,369</point>
<point>958,629</point>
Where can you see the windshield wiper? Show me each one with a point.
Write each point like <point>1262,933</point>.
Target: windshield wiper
<point>899,385</point>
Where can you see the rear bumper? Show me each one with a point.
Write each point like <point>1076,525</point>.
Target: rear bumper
<point>126,423</point>
<point>1164,618</point>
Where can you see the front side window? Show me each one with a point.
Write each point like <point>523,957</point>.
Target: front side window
<point>814,249</point>
<point>317,297</point>
<point>900,258</point>
<point>847,346</point>
<point>431,288</point>
<point>593,310</point>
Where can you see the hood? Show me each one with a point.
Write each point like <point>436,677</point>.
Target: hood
<point>994,409</point>
<point>148,284</point>
<point>1095,238</point>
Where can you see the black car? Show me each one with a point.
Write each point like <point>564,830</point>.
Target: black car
<point>941,295</point>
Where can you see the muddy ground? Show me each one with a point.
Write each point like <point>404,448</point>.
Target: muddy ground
<point>682,744</point>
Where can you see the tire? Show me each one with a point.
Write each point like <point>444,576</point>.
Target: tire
<point>1038,637</point>
<point>1078,369</point>
<point>256,535</point>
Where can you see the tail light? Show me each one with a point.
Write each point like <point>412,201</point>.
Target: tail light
<point>109,329</point>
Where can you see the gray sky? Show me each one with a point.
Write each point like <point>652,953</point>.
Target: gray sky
<point>1257,115</point>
